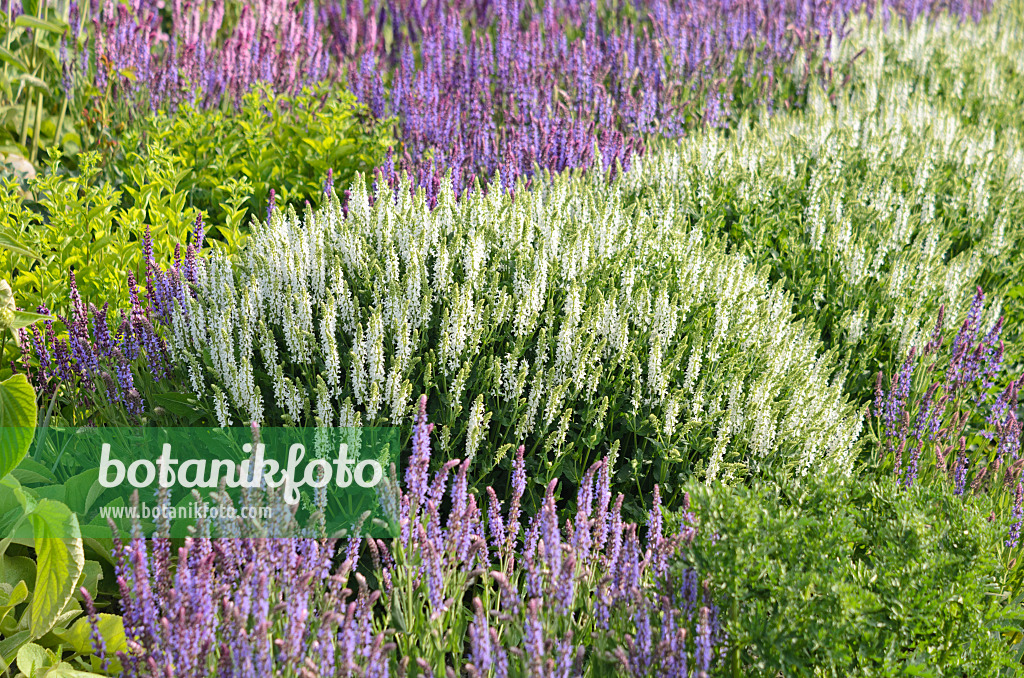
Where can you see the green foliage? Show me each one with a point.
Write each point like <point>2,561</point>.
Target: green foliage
<point>17,421</point>
<point>273,141</point>
<point>43,599</point>
<point>38,598</point>
<point>32,104</point>
<point>76,221</point>
<point>835,577</point>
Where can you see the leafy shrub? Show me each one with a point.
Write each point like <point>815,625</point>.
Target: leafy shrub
<point>75,221</point>
<point>855,577</point>
<point>110,367</point>
<point>876,208</point>
<point>289,144</point>
<point>576,322</point>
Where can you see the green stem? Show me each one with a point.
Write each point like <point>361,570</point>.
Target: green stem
<point>37,130</point>
<point>60,121</point>
<point>24,120</point>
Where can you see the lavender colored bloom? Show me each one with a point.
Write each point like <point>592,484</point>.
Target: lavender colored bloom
<point>960,469</point>
<point>1018,516</point>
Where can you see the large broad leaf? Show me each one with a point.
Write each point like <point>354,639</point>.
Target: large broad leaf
<point>111,627</point>
<point>32,658</point>
<point>60,558</point>
<point>17,421</point>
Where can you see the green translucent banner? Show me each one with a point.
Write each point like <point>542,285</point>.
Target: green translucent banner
<point>220,482</point>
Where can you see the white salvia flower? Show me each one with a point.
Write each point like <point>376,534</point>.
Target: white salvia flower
<point>477,427</point>
<point>657,381</point>
<point>671,415</point>
<point>715,463</point>
<point>324,405</point>
<point>693,369</point>
<point>220,407</point>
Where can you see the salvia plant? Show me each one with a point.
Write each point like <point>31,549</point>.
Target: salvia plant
<point>567,84</point>
<point>480,87</point>
<point>557,317</point>
<point>947,410</point>
<point>878,205</point>
<point>474,588</point>
<point>109,366</point>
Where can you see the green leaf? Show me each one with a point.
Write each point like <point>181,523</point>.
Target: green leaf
<point>23,319</point>
<point>9,647</point>
<point>111,627</point>
<point>83,490</point>
<point>11,598</point>
<point>60,560</point>
<point>31,472</point>
<point>31,658</point>
<point>15,569</point>
<point>65,670</point>
<point>29,21</point>
<point>17,421</point>
<point>12,60</point>
<point>92,573</point>
<point>33,81</point>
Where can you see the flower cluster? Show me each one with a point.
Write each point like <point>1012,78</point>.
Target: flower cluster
<point>574,83</point>
<point>546,600</point>
<point>560,86</point>
<point>561,309</point>
<point>246,607</point>
<point>102,358</point>
<point>204,59</point>
<point>956,405</point>
<point>898,204</point>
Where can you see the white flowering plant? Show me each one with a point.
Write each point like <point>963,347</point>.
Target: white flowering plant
<point>877,205</point>
<point>559,317</point>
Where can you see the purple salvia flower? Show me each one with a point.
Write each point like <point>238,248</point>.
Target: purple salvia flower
<point>1018,515</point>
<point>960,469</point>
<point>99,645</point>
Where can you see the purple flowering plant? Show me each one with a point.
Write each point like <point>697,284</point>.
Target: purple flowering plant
<point>470,587</point>
<point>479,88</point>
<point>952,412</point>
<point>101,366</point>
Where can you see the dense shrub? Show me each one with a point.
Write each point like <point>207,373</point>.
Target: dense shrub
<point>857,577</point>
<point>292,145</point>
<point>78,221</point>
<point>557,318</point>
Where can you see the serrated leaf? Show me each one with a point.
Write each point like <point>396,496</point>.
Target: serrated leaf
<point>60,560</point>
<point>17,421</point>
